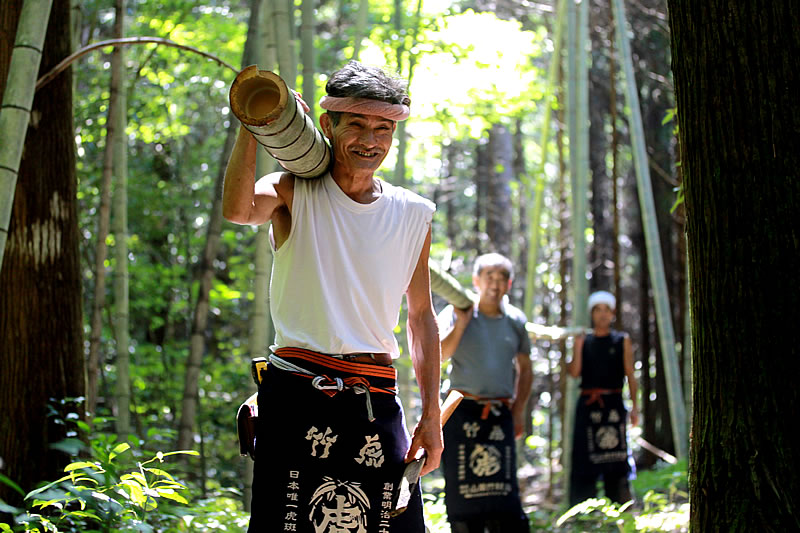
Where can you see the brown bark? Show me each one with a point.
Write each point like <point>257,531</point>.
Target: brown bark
<point>736,77</point>
<point>498,194</point>
<point>40,308</point>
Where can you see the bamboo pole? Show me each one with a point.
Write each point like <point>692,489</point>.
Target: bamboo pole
<point>538,189</point>
<point>655,263</point>
<point>448,287</point>
<point>307,53</point>
<point>266,106</point>
<point>119,207</point>
<point>577,113</point>
<point>15,112</point>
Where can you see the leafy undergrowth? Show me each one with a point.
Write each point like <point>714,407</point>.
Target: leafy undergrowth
<point>663,507</point>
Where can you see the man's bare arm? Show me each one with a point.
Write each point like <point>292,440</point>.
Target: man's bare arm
<point>522,390</point>
<point>245,200</point>
<point>633,386</point>
<point>574,365</point>
<point>452,338</point>
<point>423,342</point>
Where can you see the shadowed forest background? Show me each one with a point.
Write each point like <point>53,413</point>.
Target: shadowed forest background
<point>128,321</point>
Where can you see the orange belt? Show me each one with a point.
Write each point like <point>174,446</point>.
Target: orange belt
<point>596,395</point>
<point>329,385</point>
<point>488,403</point>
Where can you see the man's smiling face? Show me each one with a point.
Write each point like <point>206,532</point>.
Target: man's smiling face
<point>360,142</point>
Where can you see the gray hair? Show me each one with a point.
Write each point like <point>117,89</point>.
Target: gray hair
<point>493,260</point>
<point>356,80</point>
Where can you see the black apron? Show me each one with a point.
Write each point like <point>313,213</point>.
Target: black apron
<point>480,461</point>
<point>321,465</point>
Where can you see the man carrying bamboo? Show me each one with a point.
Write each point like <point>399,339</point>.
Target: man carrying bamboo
<point>331,442</point>
<point>490,352</point>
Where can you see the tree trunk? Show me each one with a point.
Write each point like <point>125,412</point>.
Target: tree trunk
<point>21,54</point>
<point>498,195</point>
<point>482,169</point>
<point>42,362</point>
<point>601,250</point>
<point>360,28</point>
<point>307,54</point>
<point>103,220</point>
<point>736,77</point>
<point>520,232</point>
<point>655,261</point>
<point>122,393</point>
<point>197,347</point>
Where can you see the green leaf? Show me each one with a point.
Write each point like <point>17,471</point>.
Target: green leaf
<point>159,472</point>
<point>172,495</point>
<point>183,452</point>
<point>8,509</point>
<point>80,464</point>
<point>135,491</point>
<point>7,481</point>
<point>118,450</point>
<point>137,476</point>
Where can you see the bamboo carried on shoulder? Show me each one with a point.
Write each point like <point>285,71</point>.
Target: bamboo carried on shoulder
<point>266,106</point>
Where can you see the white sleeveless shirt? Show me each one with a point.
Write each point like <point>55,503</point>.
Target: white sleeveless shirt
<point>338,280</point>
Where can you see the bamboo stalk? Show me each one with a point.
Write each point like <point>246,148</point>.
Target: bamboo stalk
<point>122,392</point>
<point>538,189</point>
<point>655,263</point>
<point>15,112</point>
<point>266,106</point>
<point>451,290</point>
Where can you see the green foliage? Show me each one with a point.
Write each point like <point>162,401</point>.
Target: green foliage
<point>112,492</point>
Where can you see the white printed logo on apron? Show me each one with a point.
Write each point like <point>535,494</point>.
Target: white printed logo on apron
<point>339,507</point>
<point>484,461</point>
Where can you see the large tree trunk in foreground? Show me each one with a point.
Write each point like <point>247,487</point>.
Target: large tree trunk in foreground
<point>41,359</point>
<point>736,77</point>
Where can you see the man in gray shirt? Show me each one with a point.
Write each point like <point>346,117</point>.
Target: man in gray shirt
<point>490,352</point>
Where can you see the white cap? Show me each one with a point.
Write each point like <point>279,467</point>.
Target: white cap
<point>602,297</point>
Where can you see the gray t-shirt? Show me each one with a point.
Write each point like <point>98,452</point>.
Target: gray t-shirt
<point>483,363</point>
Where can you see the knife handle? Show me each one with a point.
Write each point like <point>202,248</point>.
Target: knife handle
<point>454,397</point>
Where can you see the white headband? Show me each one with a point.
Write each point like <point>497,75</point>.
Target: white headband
<point>602,297</point>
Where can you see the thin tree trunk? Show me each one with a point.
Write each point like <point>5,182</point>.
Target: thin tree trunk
<point>655,261</point>
<point>122,392</point>
<point>498,194</point>
<point>736,78</point>
<point>361,27</point>
<point>103,223</point>
<point>577,26</point>
<point>194,362</point>
<point>537,192</point>
<point>401,135</point>
<point>481,177</point>
<point>520,227</point>
<point>615,250</point>
<point>307,54</point>
<point>42,363</point>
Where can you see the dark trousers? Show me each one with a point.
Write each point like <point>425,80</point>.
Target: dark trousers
<point>498,524</point>
<point>616,486</point>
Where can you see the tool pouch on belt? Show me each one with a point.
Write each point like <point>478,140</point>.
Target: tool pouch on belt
<point>246,420</point>
<point>247,416</point>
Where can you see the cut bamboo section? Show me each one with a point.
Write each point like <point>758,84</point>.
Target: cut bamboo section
<point>448,287</point>
<point>266,106</point>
